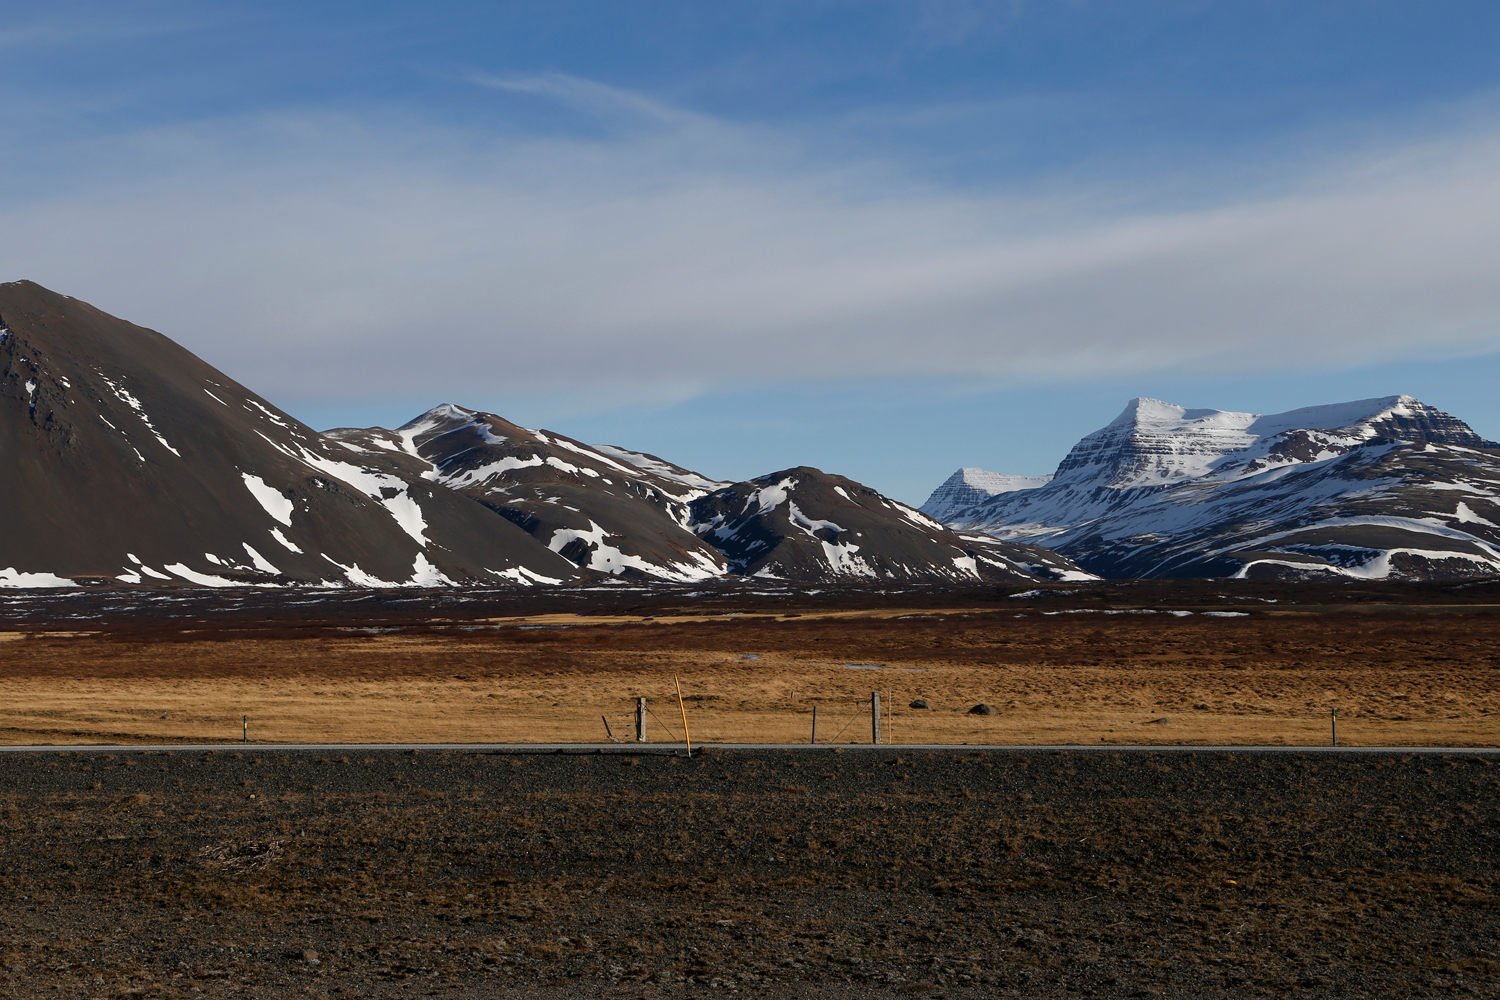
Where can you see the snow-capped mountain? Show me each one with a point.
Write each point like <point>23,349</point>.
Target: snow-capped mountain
<point>969,486</point>
<point>132,462</point>
<point>601,507</point>
<point>806,525</point>
<point>129,459</point>
<point>1371,488</point>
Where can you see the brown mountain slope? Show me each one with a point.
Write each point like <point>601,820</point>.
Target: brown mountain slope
<point>129,458</point>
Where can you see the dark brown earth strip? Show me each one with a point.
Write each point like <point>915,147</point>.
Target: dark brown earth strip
<point>885,873</point>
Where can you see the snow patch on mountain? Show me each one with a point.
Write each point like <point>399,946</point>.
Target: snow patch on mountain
<point>116,386</point>
<point>659,468</point>
<point>525,577</point>
<point>259,561</point>
<point>201,579</point>
<point>1465,515</point>
<point>10,578</point>
<point>276,534</point>
<point>391,492</point>
<point>607,558</point>
<point>272,499</point>
<point>359,577</point>
<point>425,574</point>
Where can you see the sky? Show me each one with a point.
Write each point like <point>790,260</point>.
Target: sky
<point>886,239</point>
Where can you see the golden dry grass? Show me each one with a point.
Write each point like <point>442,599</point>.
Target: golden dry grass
<point>1396,679</point>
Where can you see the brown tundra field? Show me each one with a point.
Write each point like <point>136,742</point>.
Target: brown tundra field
<point>1066,845</point>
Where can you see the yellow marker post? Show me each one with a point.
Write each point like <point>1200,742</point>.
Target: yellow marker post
<point>683,708</point>
<point>247,729</point>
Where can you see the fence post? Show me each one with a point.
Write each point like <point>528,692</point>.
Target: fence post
<point>874,716</point>
<point>1333,722</point>
<point>815,725</point>
<point>683,709</point>
<point>640,720</point>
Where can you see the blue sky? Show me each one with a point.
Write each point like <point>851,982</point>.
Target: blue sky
<point>884,238</point>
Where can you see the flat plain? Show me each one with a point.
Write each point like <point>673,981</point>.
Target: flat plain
<point>1195,662</point>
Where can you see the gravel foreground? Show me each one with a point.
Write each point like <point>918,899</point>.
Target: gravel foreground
<point>883,873</point>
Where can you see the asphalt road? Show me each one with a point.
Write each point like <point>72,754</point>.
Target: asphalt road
<point>677,748</point>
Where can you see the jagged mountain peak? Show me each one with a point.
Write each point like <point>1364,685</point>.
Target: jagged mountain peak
<point>1361,488</point>
<point>1155,443</point>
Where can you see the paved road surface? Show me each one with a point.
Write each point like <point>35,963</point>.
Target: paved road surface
<point>636,748</point>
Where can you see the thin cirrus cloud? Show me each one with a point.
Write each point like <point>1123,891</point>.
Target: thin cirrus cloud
<point>665,252</point>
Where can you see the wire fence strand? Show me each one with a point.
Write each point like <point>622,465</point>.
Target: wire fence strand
<point>661,723</point>
<point>629,717</point>
<point>852,719</point>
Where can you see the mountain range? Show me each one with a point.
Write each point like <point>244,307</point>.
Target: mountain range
<point>1371,489</point>
<point>134,463</point>
<point>131,462</point>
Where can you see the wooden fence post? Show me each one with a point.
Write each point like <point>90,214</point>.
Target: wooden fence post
<point>875,717</point>
<point>815,725</point>
<point>640,720</point>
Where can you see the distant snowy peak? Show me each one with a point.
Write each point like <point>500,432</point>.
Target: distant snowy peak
<point>969,486</point>
<point>1367,489</point>
<point>1154,443</point>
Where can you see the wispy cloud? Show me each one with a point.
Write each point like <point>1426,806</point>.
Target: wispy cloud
<point>317,256</point>
<point>592,97</point>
